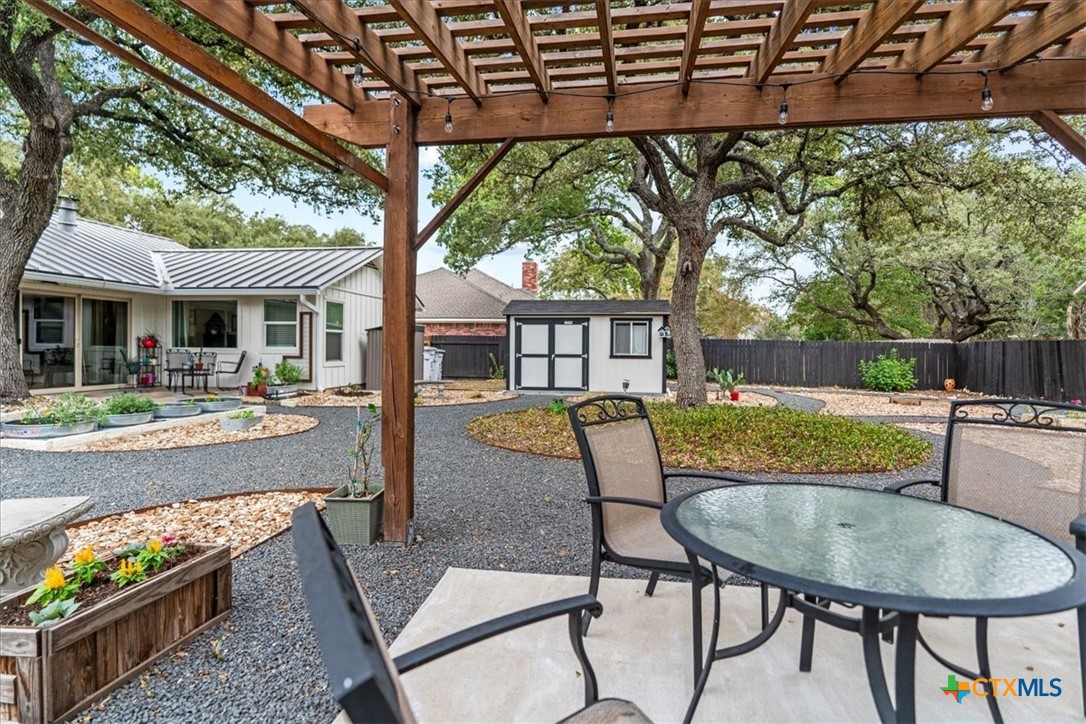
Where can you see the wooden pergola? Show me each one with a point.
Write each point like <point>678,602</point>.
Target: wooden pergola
<point>431,72</point>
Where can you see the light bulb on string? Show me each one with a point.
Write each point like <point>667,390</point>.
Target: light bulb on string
<point>610,123</point>
<point>448,117</point>
<point>782,116</point>
<point>358,80</point>
<point>986,100</point>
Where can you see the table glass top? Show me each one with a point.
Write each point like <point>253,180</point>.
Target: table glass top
<point>874,541</point>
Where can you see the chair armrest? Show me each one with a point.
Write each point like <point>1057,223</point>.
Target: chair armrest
<point>900,487</point>
<point>1078,529</point>
<point>624,501</point>
<point>710,476</point>
<point>574,606</point>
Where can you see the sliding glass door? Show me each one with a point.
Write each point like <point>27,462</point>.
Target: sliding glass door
<point>105,335</point>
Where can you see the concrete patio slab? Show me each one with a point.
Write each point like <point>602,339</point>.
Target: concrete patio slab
<point>641,651</point>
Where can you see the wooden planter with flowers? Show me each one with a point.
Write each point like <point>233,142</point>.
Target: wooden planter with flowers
<point>50,673</point>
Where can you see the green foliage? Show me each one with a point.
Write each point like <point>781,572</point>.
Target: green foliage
<point>54,613</point>
<point>287,373</point>
<point>128,571</point>
<point>157,552</point>
<point>127,403</point>
<point>68,409</point>
<point>495,371</point>
<point>359,476</point>
<point>557,406</point>
<point>888,373</point>
<point>727,380</point>
<point>55,587</point>
<point>671,365</point>
<point>260,374</point>
<point>86,565</point>
<point>241,415</point>
<point>729,437</point>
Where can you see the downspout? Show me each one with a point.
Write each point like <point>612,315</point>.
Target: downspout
<point>318,341</point>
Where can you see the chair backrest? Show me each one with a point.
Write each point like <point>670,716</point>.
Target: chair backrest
<point>237,366</point>
<point>210,357</point>
<point>360,671</point>
<point>619,452</point>
<point>176,358</point>
<point>1013,459</point>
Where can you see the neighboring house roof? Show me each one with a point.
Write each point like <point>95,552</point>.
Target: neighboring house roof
<point>450,297</point>
<point>90,252</point>
<point>555,307</point>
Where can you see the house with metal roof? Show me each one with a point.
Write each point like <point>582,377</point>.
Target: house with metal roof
<point>92,293</point>
<point>469,305</point>
<point>600,345</point>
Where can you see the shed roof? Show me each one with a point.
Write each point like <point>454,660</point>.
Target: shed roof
<point>552,307</point>
<point>91,252</point>
<point>476,296</point>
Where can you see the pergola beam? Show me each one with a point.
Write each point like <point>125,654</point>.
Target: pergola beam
<point>128,57</point>
<point>868,34</point>
<point>463,193</point>
<point>942,95</point>
<point>520,32</point>
<point>1060,130</point>
<point>424,20</point>
<point>968,20</point>
<point>1050,25</point>
<point>607,45</point>
<point>789,23</point>
<point>147,28</point>
<point>248,26</point>
<point>338,20</point>
<point>695,26</point>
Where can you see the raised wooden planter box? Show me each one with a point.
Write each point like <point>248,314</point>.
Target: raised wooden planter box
<point>53,673</point>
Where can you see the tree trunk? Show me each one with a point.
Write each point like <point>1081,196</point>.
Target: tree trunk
<point>690,362</point>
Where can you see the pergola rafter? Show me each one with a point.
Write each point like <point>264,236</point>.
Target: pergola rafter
<point>543,69</point>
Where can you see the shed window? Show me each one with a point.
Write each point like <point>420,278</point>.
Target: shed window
<point>630,338</point>
<point>333,331</point>
<point>280,323</point>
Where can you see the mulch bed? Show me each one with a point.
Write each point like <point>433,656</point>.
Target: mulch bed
<point>206,433</point>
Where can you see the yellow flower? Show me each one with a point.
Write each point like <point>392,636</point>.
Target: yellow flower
<point>54,578</point>
<point>154,545</point>
<point>85,556</point>
<point>131,568</point>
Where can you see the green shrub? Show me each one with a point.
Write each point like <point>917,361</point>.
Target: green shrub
<point>671,365</point>
<point>242,415</point>
<point>287,373</point>
<point>727,380</point>
<point>888,373</point>
<point>557,406</point>
<point>127,403</point>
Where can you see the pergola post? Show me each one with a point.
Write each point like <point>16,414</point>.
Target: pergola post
<point>398,345</point>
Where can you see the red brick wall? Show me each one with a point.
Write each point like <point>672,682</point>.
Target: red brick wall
<point>464,329</point>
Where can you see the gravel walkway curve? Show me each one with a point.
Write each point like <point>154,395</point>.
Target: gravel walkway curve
<point>476,507</point>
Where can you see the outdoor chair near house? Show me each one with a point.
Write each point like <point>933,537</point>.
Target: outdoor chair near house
<point>229,369</point>
<point>1014,460</point>
<point>175,362</point>
<point>627,488</point>
<point>366,680</point>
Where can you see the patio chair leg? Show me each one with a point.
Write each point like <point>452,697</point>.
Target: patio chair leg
<point>1082,653</point>
<point>593,588</point>
<point>765,606</point>
<point>806,645</point>
<point>651,588</point>
<point>985,666</point>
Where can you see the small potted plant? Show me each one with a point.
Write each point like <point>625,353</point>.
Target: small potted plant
<point>258,385</point>
<point>240,420</point>
<point>355,509</point>
<point>127,408</point>
<point>215,403</point>
<point>727,381</point>
<point>70,414</point>
<point>177,408</point>
<point>198,362</point>
<point>284,383</point>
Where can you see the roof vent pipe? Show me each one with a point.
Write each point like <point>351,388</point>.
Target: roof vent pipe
<point>67,212</point>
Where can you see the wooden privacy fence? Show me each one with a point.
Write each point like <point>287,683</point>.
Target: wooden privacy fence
<point>469,356</point>
<point>1052,370</point>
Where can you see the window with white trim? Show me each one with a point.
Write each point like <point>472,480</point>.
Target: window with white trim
<point>333,331</point>
<point>280,323</point>
<point>630,337</point>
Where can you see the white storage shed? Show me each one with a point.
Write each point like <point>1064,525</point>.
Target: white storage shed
<point>563,346</point>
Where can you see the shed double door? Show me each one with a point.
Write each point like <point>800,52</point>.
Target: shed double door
<point>551,354</point>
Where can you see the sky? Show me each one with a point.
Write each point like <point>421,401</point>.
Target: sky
<point>505,266</point>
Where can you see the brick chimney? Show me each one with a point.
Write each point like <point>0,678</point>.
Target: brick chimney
<point>529,277</point>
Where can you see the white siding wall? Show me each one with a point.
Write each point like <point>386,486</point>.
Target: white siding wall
<point>605,374</point>
<point>360,293</point>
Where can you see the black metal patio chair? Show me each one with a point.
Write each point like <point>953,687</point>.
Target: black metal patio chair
<point>228,368</point>
<point>363,676</point>
<point>627,488</point>
<point>1014,460</point>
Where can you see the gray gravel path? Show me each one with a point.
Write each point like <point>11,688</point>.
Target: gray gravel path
<point>476,507</point>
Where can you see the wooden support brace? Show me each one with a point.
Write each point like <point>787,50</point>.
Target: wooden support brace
<point>1059,129</point>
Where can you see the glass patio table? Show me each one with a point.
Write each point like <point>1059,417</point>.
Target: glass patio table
<point>894,556</point>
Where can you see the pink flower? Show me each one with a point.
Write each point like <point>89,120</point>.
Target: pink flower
<point>1076,402</point>
<point>168,540</point>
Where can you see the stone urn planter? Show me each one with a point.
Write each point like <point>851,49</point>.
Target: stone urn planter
<point>45,430</point>
<point>134,418</point>
<point>218,404</point>
<point>63,669</point>
<point>177,409</point>
<point>236,424</point>
<point>354,521</point>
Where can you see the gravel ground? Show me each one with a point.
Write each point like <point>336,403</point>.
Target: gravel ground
<point>476,507</point>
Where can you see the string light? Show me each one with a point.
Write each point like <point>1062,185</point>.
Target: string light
<point>358,80</point>
<point>610,124</point>
<point>448,117</point>
<point>782,117</point>
<point>986,101</point>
